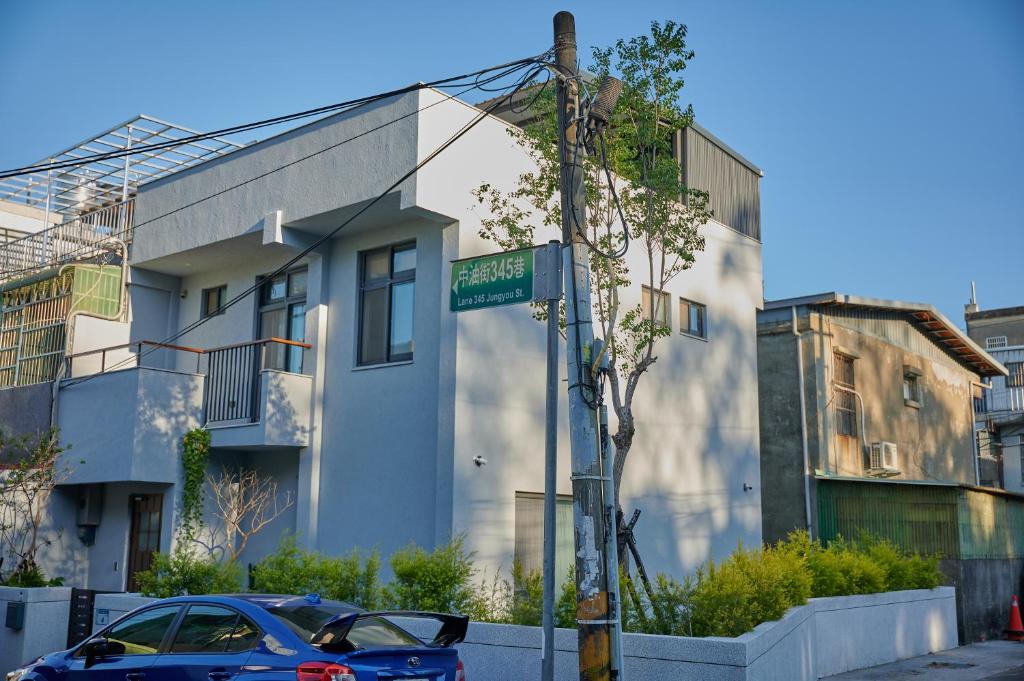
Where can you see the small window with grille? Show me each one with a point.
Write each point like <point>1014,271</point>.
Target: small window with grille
<point>1016,377</point>
<point>995,342</point>
<point>845,396</point>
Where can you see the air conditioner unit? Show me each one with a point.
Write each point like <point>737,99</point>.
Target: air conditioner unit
<point>884,457</point>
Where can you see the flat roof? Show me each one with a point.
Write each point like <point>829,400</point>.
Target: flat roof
<point>927,318</point>
<point>996,313</point>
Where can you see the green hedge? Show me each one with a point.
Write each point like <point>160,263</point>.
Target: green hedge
<point>722,599</point>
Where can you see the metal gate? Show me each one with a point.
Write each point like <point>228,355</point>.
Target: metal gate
<point>80,616</point>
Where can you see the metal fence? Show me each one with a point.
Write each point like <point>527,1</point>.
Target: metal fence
<point>233,378</point>
<point>950,520</point>
<point>76,239</point>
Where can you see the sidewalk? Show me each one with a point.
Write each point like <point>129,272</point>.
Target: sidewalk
<point>989,661</point>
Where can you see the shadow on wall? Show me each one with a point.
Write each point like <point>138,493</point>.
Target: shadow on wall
<point>696,444</point>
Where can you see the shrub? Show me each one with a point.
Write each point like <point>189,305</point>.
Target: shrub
<point>841,570</point>
<point>527,597</point>
<point>667,611</point>
<point>749,587</point>
<point>440,580</point>
<point>901,571</point>
<point>29,576</point>
<point>565,605</point>
<point>293,570</point>
<point>181,572</point>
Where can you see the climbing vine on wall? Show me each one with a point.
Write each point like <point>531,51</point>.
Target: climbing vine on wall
<point>195,447</point>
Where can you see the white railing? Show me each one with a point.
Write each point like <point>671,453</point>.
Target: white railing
<point>76,239</point>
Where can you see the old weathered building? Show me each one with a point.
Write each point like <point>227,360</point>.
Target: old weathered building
<point>867,419</point>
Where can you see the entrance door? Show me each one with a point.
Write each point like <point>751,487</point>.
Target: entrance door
<point>144,539</point>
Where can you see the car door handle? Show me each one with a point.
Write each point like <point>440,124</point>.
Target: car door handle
<point>134,676</point>
<point>219,675</point>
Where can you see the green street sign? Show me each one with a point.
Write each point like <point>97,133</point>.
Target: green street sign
<point>492,280</point>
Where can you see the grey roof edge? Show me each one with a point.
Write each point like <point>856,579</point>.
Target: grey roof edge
<point>726,148</point>
<point>930,483</point>
<point>835,298</point>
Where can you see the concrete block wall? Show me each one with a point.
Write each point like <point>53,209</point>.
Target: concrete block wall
<point>46,624</point>
<point>825,637</point>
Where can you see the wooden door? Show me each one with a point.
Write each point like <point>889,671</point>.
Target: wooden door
<point>144,537</point>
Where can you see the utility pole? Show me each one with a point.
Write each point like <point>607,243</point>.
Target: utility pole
<point>594,612</point>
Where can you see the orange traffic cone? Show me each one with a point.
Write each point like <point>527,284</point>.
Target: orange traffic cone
<point>1015,629</point>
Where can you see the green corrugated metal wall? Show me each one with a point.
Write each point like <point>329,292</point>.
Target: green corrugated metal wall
<point>97,290</point>
<point>922,519</point>
<point>991,525</point>
<point>950,521</point>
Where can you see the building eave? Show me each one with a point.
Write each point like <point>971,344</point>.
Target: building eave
<point>926,317</point>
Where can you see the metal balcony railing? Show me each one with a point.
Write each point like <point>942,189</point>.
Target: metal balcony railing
<point>232,371</point>
<point>233,376</point>
<point>77,239</point>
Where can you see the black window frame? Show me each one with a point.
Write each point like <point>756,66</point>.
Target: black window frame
<point>180,619</point>
<point>168,636</point>
<point>389,283</point>
<point>264,303</point>
<point>702,333</point>
<point>205,310</point>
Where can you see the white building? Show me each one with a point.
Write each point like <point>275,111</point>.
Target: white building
<point>1000,407</point>
<point>375,425</point>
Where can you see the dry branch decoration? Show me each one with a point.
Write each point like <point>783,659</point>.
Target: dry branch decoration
<point>243,503</point>
<point>25,488</point>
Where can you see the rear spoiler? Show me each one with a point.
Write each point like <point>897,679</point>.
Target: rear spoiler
<point>452,631</point>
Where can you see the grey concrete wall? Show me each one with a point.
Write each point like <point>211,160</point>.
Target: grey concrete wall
<point>380,423</point>
<point>781,438</point>
<point>1010,325</point>
<point>25,410</point>
<point>827,636</point>
<point>984,589</point>
<point>46,624</point>
<point>128,424</point>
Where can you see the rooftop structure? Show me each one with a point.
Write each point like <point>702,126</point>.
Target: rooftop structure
<point>78,189</point>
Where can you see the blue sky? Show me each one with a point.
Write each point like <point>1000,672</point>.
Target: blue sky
<point>891,133</point>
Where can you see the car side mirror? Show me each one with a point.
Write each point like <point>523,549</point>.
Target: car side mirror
<point>99,648</point>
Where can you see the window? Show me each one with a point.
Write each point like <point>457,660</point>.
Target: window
<point>282,314</point>
<point>845,398</point>
<point>213,300</point>
<point>1016,377</point>
<point>995,342</point>
<point>387,293</point>
<point>142,634</point>
<point>529,540</point>
<point>212,629</point>
<point>911,390</point>
<point>979,393</point>
<point>377,632</point>
<point>654,305</point>
<point>693,318</point>
<point>911,386</point>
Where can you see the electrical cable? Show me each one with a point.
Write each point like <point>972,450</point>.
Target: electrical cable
<point>327,236</point>
<point>245,127</point>
<point>88,247</point>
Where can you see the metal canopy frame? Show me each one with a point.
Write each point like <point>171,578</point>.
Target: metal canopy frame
<point>80,189</point>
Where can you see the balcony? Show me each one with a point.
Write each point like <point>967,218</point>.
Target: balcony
<point>125,419</point>
<point>256,395</point>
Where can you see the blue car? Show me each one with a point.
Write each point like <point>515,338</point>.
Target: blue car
<point>257,638</point>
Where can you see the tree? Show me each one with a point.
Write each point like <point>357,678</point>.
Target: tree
<point>244,503</point>
<point>632,175</point>
<point>25,488</point>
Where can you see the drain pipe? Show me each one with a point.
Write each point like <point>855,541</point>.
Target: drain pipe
<point>803,423</point>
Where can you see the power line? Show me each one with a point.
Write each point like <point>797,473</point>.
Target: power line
<point>324,238</point>
<point>245,127</point>
<point>479,84</point>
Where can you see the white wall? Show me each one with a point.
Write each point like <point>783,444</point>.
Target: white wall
<point>475,387</point>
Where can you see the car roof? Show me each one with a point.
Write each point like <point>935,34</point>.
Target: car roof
<point>272,601</point>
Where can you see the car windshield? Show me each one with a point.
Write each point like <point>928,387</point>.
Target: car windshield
<point>371,632</point>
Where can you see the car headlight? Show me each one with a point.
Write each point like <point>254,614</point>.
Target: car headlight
<point>17,674</point>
